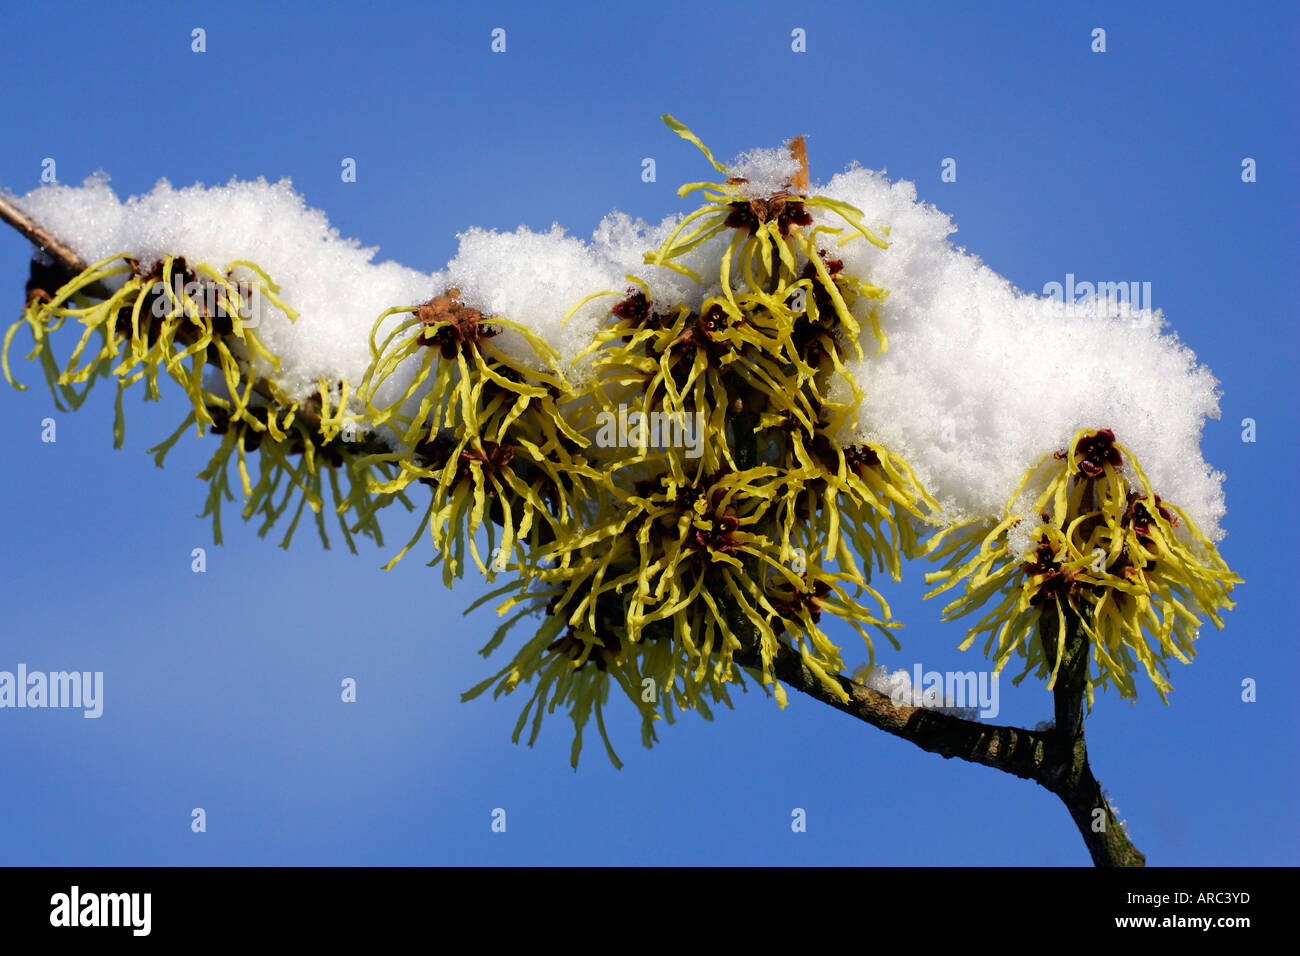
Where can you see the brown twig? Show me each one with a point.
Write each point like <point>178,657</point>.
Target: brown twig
<point>61,255</point>
<point>799,150</point>
<point>1055,760</point>
<point>52,247</point>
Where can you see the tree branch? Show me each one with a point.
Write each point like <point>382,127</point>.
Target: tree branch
<point>1056,759</point>
<point>52,247</point>
<point>1023,753</point>
<point>1072,779</point>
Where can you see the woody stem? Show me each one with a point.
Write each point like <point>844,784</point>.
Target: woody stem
<point>1070,776</point>
<point>1055,759</point>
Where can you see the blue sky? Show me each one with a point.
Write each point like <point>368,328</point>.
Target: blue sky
<point>222,689</point>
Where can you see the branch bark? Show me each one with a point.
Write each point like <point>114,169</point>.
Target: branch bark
<point>52,247</point>
<point>1072,779</point>
<point>1055,759</point>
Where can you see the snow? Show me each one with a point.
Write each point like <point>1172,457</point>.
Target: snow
<point>333,283</point>
<point>981,380</point>
<point>898,687</point>
<point>767,171</point>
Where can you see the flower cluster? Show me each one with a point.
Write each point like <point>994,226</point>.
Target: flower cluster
<point>723,522</point>
<point>180,319</point>
<point>299,467</point>
<point>682,563</point>
<point>1086,537</point>
<point>483,430</point>
<point>138,322</point>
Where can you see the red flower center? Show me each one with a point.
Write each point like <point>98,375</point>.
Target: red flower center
<point>1094,452</point>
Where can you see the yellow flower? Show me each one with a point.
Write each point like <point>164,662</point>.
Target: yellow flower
<point>152,322</point>
<point>1100,545</point>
